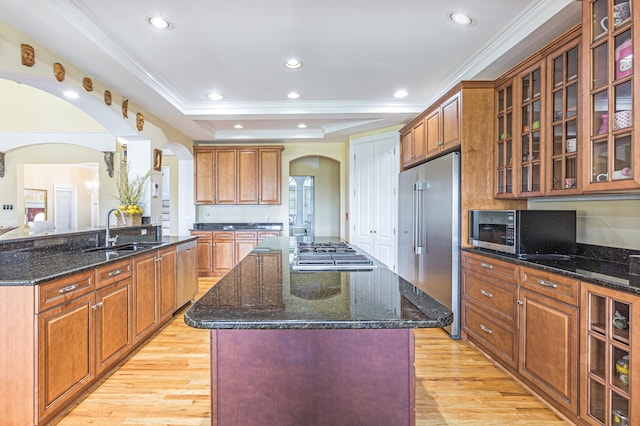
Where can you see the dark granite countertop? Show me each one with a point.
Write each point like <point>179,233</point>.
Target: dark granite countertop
<point>590,265</point>
<point>262,292</point>
<point>237,226</point>
<point>33,266</point>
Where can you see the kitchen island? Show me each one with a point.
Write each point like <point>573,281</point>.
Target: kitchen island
<point>313,348</point>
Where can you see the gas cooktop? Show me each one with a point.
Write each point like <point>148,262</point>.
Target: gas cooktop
<point>330,256</point>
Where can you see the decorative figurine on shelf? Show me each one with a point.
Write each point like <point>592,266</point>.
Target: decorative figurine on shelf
<point>619,321</point>
<point>604,127</point>
<point>108,160</point>
<point>107,97</point>
<point>87,84</point>
<point>139,122</point>
<point>125,108</point>
<point>28,55</point>
<point>58,71</point>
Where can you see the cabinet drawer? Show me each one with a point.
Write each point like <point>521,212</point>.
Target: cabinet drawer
<point>223,235</point>
<point>65,289</point>
<point>113,272</point>
<point>492,267</point>
<point>499,339</point>
<point>498,297</point>
<point>246,235</point>
<point>552,285</point>
<point>202,235</point>
<point>264,234</point>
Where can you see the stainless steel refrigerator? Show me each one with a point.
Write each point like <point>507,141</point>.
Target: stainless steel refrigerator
<point>429,231</point>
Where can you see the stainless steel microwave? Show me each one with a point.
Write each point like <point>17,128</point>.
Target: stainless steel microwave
<point>522,232</point>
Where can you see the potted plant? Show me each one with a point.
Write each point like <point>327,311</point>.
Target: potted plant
<point>130,192</point>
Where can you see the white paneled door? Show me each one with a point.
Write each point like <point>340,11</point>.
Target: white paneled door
<point>65,208</point>
<point>374,195</point>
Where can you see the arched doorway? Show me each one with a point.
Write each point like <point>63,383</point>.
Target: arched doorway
<point>325,216</point>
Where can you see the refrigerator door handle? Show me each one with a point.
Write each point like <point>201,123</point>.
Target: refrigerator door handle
<point>417,218</point>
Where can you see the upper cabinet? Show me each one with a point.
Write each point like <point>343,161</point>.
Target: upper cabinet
<point>433,132</point>
<point>537,123</point>
<point>612,157</point>
<point>238,175</point>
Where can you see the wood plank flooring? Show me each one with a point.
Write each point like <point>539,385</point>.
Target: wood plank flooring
<point>167,383</point>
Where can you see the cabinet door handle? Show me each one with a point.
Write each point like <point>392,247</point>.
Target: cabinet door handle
<point>68,288</point>
<point>486,329</point>
<point>115,272</point>
<point>96,306</point>
<point>520,302</point>
<point>486,265</point>
<point>547,284</point>
<point>486,293</point>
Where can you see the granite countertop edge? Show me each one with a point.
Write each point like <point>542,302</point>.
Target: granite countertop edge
<point>74,261</point>
<point>557,269</point>
<point>228,226</point>
<point>317,325</point>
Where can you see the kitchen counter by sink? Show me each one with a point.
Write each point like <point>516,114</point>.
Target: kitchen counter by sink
<point>35,266</point>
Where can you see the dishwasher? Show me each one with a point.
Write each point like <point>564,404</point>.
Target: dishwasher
<point>187,273</point>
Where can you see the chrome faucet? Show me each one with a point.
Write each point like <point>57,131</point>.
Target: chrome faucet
<point>108,241</point>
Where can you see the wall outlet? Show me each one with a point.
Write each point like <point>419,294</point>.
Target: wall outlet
<point>143,232</point>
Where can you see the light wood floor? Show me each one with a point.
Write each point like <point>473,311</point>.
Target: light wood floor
<point>167,383</point>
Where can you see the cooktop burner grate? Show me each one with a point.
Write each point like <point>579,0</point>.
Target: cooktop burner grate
<point>331,256</point>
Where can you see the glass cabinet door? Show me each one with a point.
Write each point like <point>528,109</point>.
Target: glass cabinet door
<point>504,144</point>
<point>564,147</point>
<point>608,346</point>
<point>611,139</point>
<point>531,84</point>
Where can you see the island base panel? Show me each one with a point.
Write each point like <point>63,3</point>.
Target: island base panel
<point>313,377</point>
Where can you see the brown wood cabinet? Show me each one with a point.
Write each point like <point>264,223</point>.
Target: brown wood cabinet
<point>166,275</point>
<point>114,313</point>
<point>489,305</point>
<point>611,159</point>
<point>205,251</point>
<point>610,344</point>
<point>537,123</point>
<point>413,144</point>
<point>238,175</point>
<point>549,335</point>
<point>66,353</point>
<point>145,311</point>
<point>443,126</point>
<point>220,251</point>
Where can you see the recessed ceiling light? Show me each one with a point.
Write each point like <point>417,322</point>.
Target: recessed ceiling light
<point>159,22</point>
<point>460,18</point>
<point>238,126</point>
<point>293,95</point>
<point>215,96</point>
<point>302,126</point>
<point>293,63</point>
<point>400,94</point>
<point>70,94</point>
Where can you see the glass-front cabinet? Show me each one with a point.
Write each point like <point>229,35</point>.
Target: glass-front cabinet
<point>530,152</point>
<point>610,134</point>
<point>609,343</point>
<point>504,144</point>
<point>563,142</point>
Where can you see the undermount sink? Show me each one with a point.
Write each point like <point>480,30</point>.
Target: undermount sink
<point>135,246</point>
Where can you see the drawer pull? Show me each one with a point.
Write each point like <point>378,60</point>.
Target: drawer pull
<point>486,265</point>
<point>486,329</point>
<point>547,284</point>
<point>116,272</point>
<point>486,293</point>
<point>97,305</point>
<point>68,288</point>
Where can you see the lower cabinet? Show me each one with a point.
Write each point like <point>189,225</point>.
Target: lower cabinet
<point>113,323</point>
<point>527,320</point>
<point>611,345</point>
<point>145,311</point>
<point>166,276</point>
<point>66,353</point>
<point>220,251</point>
